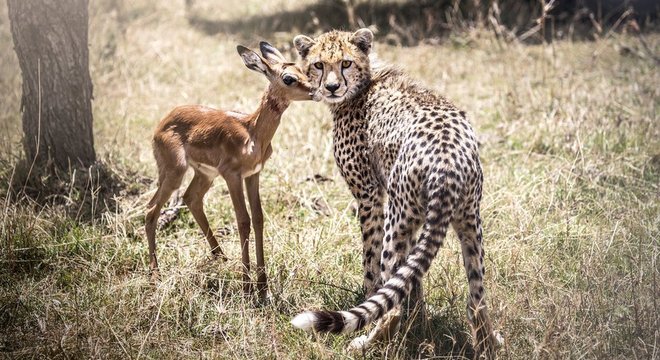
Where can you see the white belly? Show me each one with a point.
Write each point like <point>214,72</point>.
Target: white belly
<point>236,114</point>
<point>209,171</point>
<point>253,171</point>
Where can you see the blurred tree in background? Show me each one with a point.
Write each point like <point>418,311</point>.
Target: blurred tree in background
<point>50,39</point>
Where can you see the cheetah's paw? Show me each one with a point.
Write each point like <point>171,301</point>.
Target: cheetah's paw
<point>499,339</point>
<point>359,343</point>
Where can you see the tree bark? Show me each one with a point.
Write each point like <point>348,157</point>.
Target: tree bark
<point>50,40</point>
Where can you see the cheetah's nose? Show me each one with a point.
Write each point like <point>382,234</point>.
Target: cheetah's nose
<point>332,87</point>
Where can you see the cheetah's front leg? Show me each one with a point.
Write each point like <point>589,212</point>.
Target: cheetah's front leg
<point>370,211</point>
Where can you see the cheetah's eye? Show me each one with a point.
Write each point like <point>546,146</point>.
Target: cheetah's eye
<point>346,64</point>
<point>318,65</point>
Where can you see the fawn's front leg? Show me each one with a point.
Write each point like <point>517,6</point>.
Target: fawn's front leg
<point>252,185</point>
<point>235,186</point>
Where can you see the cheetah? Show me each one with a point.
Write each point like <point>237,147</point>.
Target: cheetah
<point>410,159</point>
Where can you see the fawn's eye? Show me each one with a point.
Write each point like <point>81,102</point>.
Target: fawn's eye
<point>346,64</point>
<point>289,79</point>
<point>318,65</point>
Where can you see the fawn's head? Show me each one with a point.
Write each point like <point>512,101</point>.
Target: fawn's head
<point>285,77</point>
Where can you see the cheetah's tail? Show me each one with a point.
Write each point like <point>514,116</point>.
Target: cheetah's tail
<point>416,264</point>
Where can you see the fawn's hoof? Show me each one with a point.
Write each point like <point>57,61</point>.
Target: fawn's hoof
<point>219,255</point>
<point>155,276</point>
<point>488,347</point>
<point>248,289</point>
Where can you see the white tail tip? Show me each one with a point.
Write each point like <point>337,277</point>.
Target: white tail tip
<point>304,321</point>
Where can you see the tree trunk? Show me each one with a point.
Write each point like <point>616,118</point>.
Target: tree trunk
<point>50,39</point>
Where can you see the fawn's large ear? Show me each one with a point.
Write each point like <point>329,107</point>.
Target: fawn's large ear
<point>252,60</point>
<point>270,53</point>
<point>302,43</point>
<point>362,39</point>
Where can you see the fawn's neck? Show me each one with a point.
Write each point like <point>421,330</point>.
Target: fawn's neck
<point>266,119</point>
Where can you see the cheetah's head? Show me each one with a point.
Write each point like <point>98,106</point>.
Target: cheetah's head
<point>336,62</point>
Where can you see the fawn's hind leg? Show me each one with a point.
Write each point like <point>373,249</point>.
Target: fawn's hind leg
<point>168,182</point>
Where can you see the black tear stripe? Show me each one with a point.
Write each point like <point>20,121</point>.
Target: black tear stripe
<point>343,76</point>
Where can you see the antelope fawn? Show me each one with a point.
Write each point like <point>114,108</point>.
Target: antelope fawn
<point>226,143</point>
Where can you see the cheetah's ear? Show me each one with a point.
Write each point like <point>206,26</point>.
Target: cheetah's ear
<point>302,43</point>
<point>362,39</point>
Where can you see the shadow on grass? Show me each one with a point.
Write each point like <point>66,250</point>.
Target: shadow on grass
<point>443,333</point>
<point>410,22</point>
<point>45,213</point>
<point>84,193</point>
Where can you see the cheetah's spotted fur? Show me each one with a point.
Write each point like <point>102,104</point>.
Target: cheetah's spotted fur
<point>411,160</point>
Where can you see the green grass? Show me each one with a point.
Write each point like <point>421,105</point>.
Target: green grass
<point>570,144</point>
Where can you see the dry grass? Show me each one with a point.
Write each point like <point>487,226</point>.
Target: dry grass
<point>571,152</point>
